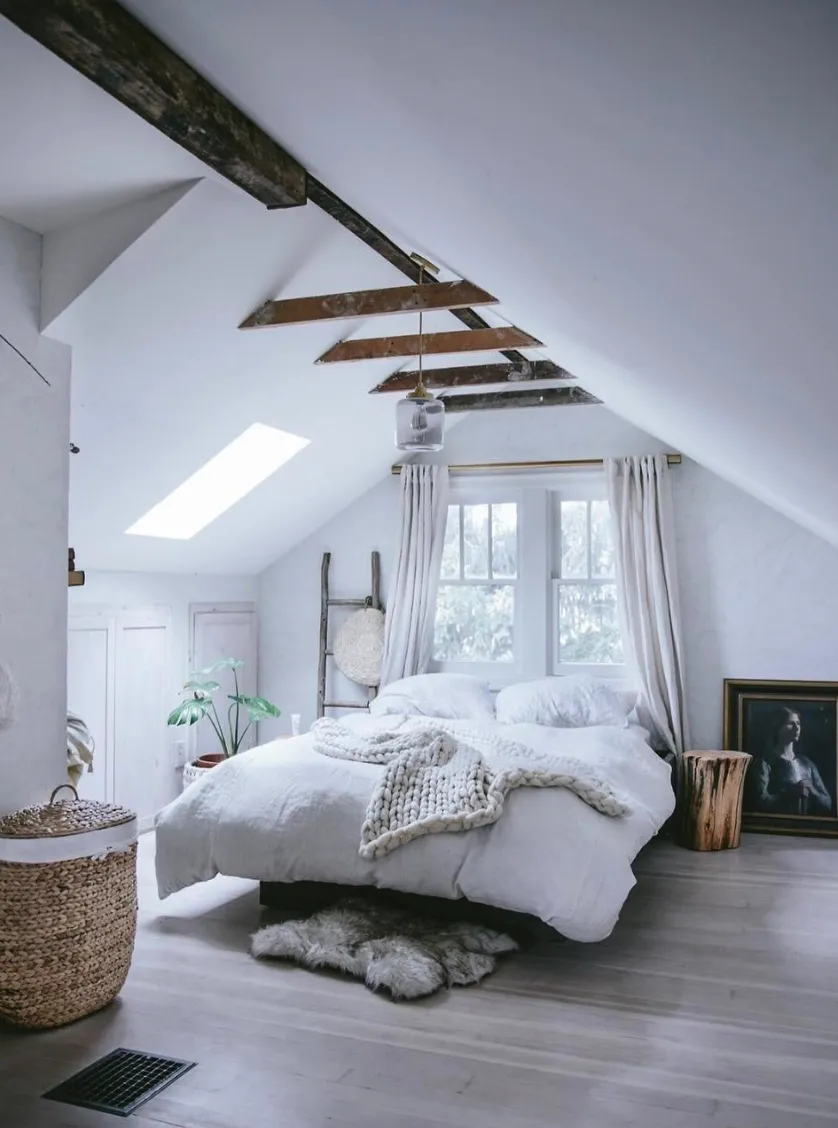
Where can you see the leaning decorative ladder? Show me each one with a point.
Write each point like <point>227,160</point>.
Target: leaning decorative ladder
<point>326,603</point>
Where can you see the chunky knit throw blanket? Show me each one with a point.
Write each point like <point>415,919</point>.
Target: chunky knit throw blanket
<point>437,778</point>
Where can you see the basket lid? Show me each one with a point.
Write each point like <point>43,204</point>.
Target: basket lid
<point>62,817</point>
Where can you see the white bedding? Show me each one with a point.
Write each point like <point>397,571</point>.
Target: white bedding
<point>283,812</point>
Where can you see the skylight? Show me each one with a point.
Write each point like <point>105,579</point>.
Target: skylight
<point>236,470</point>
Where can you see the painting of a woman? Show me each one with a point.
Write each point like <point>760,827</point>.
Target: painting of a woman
<point>791,731</point>
<point>782,780</point>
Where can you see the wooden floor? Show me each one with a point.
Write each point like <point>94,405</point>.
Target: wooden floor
<point>714,1005</point>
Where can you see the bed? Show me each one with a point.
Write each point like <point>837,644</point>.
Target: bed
<point>283,813</point>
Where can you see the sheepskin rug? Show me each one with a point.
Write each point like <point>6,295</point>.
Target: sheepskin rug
<point>394,951</point>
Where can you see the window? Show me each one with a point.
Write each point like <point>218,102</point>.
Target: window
<point>527,583</point>
<point>475,612</point>
<point>586,623</point>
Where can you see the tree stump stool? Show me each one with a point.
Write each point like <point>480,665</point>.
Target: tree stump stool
<point>710,799</point>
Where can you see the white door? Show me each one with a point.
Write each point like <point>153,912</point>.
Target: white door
<point>224,631</point>
<point>144,775</point>
<point>90,694</point>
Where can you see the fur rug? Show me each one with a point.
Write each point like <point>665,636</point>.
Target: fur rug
<point>392,950</point>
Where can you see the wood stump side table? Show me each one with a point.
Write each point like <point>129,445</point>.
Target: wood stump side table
<point>710,799</point>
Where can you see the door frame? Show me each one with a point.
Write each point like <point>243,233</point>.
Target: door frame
<point>242,606</point>
<point>102,618</point>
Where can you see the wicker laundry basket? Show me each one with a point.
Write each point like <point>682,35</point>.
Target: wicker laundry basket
<point>68,909</point>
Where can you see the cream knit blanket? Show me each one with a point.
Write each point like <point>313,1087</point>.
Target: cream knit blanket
<point>437,779</point>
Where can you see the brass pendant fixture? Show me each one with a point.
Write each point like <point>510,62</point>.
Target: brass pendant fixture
<point>420,416</point>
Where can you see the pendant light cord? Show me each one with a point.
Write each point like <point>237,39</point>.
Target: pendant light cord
<point>421,385</point>
<point>24,359</point>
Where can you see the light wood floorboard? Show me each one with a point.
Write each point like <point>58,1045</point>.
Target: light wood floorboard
<point>713,1005</point>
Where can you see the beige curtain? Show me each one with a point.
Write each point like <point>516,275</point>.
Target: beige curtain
<point>640,498</point>
<point>411,604</point>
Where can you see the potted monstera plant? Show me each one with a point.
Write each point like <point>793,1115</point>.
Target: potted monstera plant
<point>230,728</point>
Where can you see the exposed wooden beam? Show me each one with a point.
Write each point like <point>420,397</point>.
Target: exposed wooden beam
<point>480,340</point>
<point>383,245</point>
<point>471,375</point>
<point>492,401</point>
<point>368,303</point>
<point>113,49</point>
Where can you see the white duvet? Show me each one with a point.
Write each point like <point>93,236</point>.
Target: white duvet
<point>282,812</point>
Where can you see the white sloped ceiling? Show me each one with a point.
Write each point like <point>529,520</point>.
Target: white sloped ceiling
<point>651,187</point>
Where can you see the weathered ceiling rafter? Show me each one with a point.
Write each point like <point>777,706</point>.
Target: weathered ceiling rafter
<point>478,340</point>
<point>492,401</point>
<point>114,50</point>
<point>472,375</point>
<point>389,250</point>
<point>108,45</point>
<point>368,303</point>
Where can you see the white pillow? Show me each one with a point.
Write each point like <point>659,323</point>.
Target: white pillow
<point>576,701</point>
<point>454,697</point>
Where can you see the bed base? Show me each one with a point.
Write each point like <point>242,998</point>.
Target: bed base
<point>309,896</point>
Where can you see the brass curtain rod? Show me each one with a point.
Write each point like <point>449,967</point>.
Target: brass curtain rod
<point>561,464</point>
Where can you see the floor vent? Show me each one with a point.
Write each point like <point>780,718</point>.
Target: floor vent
<point>119,1082</point>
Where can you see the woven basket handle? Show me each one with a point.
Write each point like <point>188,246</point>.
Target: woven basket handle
<point>61,787</point>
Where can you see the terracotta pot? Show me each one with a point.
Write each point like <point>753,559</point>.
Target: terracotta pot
<point>209,760</point>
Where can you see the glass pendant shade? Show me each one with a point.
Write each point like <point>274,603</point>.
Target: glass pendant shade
<point>420,422</point>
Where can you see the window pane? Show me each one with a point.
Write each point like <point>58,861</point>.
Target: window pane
<point>505,541</point>
<point>476,542</point>
<point>474,623</point>
<point>451,545</point>
<point>602,541</point>
<point>589,629</point>
<point>574,532</point>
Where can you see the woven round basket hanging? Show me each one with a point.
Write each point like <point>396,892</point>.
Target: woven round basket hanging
<point>359,647</point>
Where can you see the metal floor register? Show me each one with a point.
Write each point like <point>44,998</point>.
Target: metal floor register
<point>119,1082</point>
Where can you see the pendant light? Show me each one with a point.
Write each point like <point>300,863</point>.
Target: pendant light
<point>420,416</point>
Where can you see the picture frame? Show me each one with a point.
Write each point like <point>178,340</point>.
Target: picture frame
<point>790,729</point>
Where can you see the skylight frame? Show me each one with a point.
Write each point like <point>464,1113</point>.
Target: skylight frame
<point>245,463</point>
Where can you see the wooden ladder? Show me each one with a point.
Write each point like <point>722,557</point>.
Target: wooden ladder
<point>326,602</point>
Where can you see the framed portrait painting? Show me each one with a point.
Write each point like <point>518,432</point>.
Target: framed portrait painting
<point>791,730</point>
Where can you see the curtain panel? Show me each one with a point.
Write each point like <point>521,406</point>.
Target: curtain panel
<point>640,498</point>
<point>411,603</point>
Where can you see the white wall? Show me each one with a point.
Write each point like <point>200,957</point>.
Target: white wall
<point>759,594</point>
<point>34,441</point>
<point>289,602</point>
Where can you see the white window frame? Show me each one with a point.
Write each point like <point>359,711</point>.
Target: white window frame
<point>536,622</point>
<point>583,486</point>
<point>490,492</point>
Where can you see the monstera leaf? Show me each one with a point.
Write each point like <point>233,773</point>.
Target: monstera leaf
<point>80,747</point>
<point>257,707</point>
<point>202,689</point>
<point>190,711</point>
